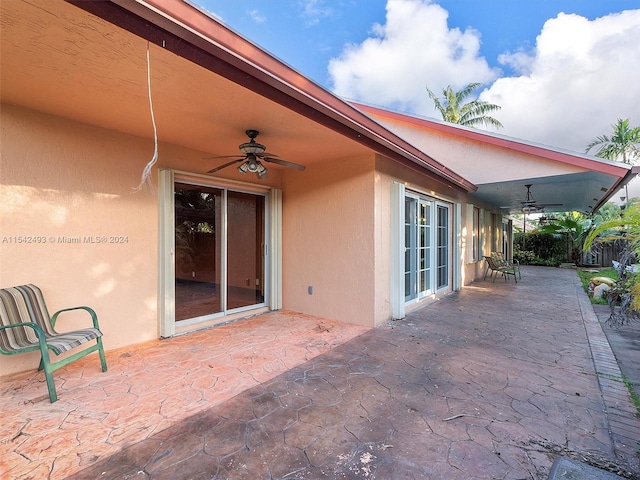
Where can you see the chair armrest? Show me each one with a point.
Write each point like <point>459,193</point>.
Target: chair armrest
<point>35,326</point>
<point>89,310</point>
<point>42,338</point>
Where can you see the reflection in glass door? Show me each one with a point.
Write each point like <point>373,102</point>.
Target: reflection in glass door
<point>198,236</point>
<point>442,246</point>
<point>219,251</point>
<point>417,260</point>
<point>245,251</point>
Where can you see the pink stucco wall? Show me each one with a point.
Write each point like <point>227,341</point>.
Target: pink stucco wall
<point>64,186</point>
<point>328,237</point>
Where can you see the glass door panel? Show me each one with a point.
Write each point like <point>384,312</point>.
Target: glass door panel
<point>410,206</point>
<point>197,251</point>
<point>424,267</point>
<point>443,247</point>
<point>245,249</point>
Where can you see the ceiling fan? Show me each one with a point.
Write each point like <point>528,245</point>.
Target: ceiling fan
<point>252,155</point>
<point>529,205</point>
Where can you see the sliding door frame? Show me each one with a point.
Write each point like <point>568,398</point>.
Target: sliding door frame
<point>166,247</point>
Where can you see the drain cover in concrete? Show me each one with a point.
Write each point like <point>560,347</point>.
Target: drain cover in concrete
<point>567,469</point>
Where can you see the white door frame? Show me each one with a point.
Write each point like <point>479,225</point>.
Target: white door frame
<point>166,241</point>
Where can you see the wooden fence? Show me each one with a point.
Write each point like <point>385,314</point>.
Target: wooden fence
<point>603,254</point>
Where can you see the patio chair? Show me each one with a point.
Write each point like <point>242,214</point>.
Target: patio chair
<point>513,265</point>
<point>25,326</point>
<point>495,267</point>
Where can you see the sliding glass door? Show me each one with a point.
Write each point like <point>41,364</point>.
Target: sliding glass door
<point>219,251</point>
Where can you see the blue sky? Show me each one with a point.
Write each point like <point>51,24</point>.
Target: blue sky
<point>562,70</point>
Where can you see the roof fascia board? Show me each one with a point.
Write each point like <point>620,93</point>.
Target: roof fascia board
<point>587,162</point>
<point>631,174</point>
<point>188,32</point>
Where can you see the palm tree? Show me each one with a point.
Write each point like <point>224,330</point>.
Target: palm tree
<point>470,114</point>
<point>623,145</point>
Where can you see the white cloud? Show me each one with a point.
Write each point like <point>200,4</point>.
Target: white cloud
<point>414,49</point>
<point>256,16</point>
<point>313,11</point>
<point>581,77</point>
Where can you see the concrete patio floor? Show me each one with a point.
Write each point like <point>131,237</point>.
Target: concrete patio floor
<point>493,382</point>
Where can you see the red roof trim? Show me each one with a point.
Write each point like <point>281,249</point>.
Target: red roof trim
<point>511,144</point>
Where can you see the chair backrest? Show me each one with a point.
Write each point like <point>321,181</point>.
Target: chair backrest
<point>22,304</point>
<point>491,262</point>
<point>499,259</point>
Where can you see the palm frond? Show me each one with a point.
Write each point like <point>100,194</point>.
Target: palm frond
<point>623,145</point>
<point>453,109</point>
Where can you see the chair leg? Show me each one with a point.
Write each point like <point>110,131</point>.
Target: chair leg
<point>48,375</point>
<point>103,360</point>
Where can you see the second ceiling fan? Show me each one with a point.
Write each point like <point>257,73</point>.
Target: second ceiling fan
<point>529,205</point>
<point>253,154</point>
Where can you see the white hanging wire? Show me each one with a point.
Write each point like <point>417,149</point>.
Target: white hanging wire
<point>145,179</point>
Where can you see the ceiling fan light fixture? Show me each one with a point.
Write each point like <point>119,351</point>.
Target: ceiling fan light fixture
<point>252,165</point>
<point>243,168</point>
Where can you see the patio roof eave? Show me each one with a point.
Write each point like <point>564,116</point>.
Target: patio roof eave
<point>188,32</point>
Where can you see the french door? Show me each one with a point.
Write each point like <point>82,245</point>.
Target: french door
<point>427,247</point>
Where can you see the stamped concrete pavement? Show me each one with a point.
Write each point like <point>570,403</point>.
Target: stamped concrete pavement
<point>493,382</point>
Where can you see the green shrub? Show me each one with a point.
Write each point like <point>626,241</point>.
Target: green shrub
<point>540,248</point>
<point>525,257</point>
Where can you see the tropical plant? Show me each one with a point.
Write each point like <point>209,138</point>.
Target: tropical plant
<point>626,294</point>
<point>574,227</point>
<point>473,113</point>
<point>623,145</point>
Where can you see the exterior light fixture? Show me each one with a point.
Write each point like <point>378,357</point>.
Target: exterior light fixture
<point>253,165</point>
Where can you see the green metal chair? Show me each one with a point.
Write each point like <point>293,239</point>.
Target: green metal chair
<point>25,326</point>
<point>495,266</point>
<point>510,266</point>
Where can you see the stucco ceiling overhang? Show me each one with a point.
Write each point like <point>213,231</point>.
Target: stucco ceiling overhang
<point>581,192</point>
<point>208,83</point>
<point>584,191</point>
<point>587,183</point>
